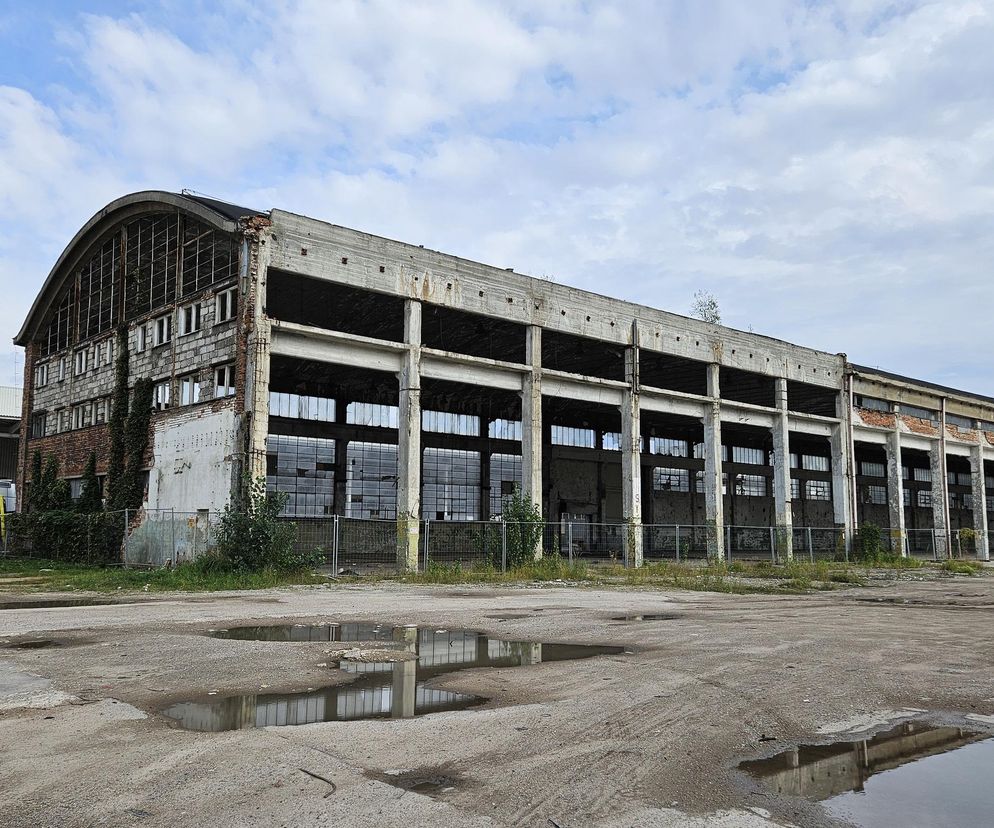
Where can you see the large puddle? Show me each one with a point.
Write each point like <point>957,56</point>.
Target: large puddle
<point>383,689</point>
<point>913,774</point>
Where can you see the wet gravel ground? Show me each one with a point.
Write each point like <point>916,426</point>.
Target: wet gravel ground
<point>652,737</point>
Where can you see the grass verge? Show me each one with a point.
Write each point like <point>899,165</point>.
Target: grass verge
<point>60,577</point>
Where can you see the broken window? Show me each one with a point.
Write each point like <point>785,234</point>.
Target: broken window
<point>209,256</point>
<point>151,244</point>
<point>817,490</point>
<point>671,480</point>
<point>451,484</point>
<point>504,430</point>
<point>444,422</point>
<point>301,407</point>
<point>189,389</point>
<point>38,424</point>
<point>162,330</point>
<point>189,319</point>
<point>303,468</point>
<point>668,446</point>
<point>750,485</point>
<point>225,304</point>
<point>505,475</point>
<point>161,396</point>
<point>371,480</point>
<point>97,289</point>
<point>224,381</point>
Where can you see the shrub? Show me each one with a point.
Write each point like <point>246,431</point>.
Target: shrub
<point>251,536</point>
<point>524,528</point>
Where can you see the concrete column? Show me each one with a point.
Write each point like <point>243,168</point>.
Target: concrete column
<point>405,675</point>
<point>531,421</point>
<point>979,498</point>
<point>714,506</point>
<point>895,492</point>
<point>842,470</point>
<point>631,457</point>
<point>484,432</point>
<point>409,442</point>
<point>781,475</point>
<point>255,256</point>
<point>940,493</point>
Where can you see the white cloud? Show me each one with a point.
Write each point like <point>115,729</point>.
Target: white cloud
<point>826,169</point>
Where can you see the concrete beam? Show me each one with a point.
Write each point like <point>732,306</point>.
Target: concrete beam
<point>584,389</point>
<point>781,476</point>
<point>713,500</point>
<point>409,442</point>
<point>631,459</point>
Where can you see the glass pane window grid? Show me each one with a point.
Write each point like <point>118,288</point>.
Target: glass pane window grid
<point>301,407</point>
<point>151,245</point>
<point>209,256</point>
<point>97,286</point>
<point>450,486</point>
<point>868,469</point>
<point>750,485</point>
<point>504,430</point>
<point>815,462</point>
<point>225,305</point>
<point>570,436</point>
<point>443,422</point>
<point>876,495</point>
<point>752,456</point>
<point>668,446</point>
<point>372,414</point>
<point>303,468</point>
<point>671,480</point>
<point>57,334</point>
<point>505,474</point>
<point>371,480</point>
<point>817,490</point>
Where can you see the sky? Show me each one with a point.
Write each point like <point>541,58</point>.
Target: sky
<point>825,169</point>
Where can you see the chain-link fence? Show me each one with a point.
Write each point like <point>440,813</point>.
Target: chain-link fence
<point>72,537</point>
<point>165,537</point>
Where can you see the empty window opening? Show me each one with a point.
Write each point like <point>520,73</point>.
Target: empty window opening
<point>474,334</point>
<point>580,355</point>
<point>334,307</point>
<point>747,387</point>
<point>811,399</point>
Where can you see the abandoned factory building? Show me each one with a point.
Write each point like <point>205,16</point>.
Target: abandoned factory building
<point>372,379</point>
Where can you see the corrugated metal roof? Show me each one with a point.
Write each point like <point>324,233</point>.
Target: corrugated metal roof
<point>10,402</point>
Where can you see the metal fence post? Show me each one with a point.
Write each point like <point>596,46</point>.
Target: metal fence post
<point>503,545</point>
<point>427,540</point>
<point>728,543</point>
<point>334,545</point>
<point>124,550</point>
<point>935,549</point>
<point>172,523</point>
<point>569,540</point>
<point>773,545</point>
<point>676,539</point>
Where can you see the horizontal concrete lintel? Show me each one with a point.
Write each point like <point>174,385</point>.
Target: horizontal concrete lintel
<point>671,404</point>
<point>556,386</point>
<point>442,367</point>
<point>877,436</point>
<point>741,416</point>
<point>805,426</point>
<point>337,351</point>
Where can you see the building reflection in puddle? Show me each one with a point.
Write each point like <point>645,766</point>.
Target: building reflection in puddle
<point>380,689</point>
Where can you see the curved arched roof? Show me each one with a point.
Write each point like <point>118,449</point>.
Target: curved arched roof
<point>219,214</point>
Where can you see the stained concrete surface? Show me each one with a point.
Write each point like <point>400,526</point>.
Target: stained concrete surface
<point>650,739</point>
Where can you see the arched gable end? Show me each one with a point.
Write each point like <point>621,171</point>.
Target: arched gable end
<point>140,252</point>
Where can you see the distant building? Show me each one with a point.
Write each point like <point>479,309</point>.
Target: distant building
<point>373,379</point>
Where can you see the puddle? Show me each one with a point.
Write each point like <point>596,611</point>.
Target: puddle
<point>913,774</point>
<point>433,782</point>
<point>646,617</point>
<point>35,644</point>
<point>380,690</point>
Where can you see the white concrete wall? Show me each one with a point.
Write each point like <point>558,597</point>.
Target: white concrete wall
<point>193,457</point>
